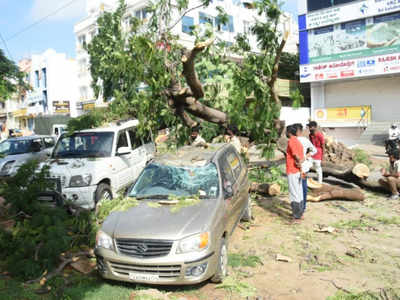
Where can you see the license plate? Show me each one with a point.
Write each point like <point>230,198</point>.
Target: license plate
<point>143,277</point>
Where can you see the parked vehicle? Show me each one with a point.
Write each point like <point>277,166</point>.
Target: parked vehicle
<point>19,150</point>
<point>167,242</point>
<point>95,164</point>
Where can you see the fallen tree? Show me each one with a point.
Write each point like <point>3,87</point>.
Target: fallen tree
<point>321,192</point>
<point>266,189</point>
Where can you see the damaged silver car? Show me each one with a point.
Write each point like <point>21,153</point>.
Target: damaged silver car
<point>189,203</point>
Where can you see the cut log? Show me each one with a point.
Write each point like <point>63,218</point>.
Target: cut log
<point>322,192</point>
<point>361,171</point>
<point>266,189</point>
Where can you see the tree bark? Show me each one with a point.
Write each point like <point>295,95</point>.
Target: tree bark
<point>322,192</point>
<point>266,189</point>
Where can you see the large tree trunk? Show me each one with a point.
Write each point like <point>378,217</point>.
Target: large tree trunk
<point>266,189</point>
<point>322,192</point>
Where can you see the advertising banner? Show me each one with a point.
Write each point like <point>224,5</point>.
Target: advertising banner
<point>353,11</point>
<point>353,68</point>
<point>61,107</point>
<point>362,38</point>
<point>349,114</point>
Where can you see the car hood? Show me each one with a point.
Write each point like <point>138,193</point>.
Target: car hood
<point>77,166</point>
<point>145,222</point>
<point>19,158</point>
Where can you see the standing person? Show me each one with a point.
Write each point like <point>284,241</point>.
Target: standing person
<point>294,159</point>
<point>391,179</point>
<point>309,150</point>
<point>317,139</point>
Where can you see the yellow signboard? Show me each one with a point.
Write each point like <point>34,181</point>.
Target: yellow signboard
<point>88,106</point>
<point>20,113</point>
<point>349,114</point>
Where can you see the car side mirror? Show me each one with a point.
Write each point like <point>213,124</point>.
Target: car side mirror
<point>124,151</point>
<point>228,190</point>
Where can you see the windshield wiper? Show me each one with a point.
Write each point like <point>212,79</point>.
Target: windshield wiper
<point>152,197</point>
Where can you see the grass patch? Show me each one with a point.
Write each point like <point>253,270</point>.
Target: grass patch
<point>357,224</point>
<point>235,286</point>
<point>382,294</point>
<point>388,221</point>
<point>362,157</point>
<point>240,260</point>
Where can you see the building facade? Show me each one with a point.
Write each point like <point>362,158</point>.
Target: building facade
<point>240,20</point>
<point>53,79</point>
<point>350,53</point>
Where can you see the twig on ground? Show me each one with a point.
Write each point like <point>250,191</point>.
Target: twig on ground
<point>336,286</point>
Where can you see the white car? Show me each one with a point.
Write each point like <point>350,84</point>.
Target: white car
<point>94,164</point>
<point>17,151</point>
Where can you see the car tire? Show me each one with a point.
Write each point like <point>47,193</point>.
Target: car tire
<point>103,192</point>
<point>222,267</point>
<point>247,215</point>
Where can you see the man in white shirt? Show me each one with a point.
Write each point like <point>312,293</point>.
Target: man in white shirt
<point>309,150</point>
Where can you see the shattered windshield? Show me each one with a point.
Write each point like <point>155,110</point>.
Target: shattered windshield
<point>15,147</point>
<point>84,144</point>
<point>161,181</point>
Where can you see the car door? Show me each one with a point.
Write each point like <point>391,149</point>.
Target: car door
<point>139,156</point>
<point>227,180</point>
<point>122,162</point>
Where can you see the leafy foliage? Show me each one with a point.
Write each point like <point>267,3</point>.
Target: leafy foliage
<point>271,175</point>
<point>41,233</point>
<point>11,79</point>
<point>289,66</point>
<point>117,204</point>
<point>137,67</point>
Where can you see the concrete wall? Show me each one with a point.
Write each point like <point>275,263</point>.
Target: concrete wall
<point>383,94</point>
<point>299,115</point>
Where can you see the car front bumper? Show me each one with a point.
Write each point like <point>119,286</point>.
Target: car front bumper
<point>81,196</point>
<point>167,270</point>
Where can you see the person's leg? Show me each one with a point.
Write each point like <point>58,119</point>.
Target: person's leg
<point>392,183</point>
<point>295,195</point>
<point>318,169</point>
<point>304,182</point>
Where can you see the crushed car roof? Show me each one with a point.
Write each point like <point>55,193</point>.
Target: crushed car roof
<point>189,156</point>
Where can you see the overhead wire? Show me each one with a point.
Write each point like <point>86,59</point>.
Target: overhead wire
<point>41,20</point>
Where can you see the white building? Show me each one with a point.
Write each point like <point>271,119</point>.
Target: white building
<point>240,19</point>
<point>54,81</point>
<point>350,53</point>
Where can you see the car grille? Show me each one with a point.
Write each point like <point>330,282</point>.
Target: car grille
<point>169,271</point>
<point>144,248</point>
<point>62,178</point>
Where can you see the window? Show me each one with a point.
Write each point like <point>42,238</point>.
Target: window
<point>204,19</point>
<point>82,40</point>
<point>230,24</point>
<point>187,24</point>
<point>320,4</point>
<point>141,14</point>
<point>48,142</point>
<point>122,140</point>
<point>45,100</point>
<point>44,78</point>
<point>226,172</point>
<point>246,27</point>
<point>37,80</point>
<point>135,141</point>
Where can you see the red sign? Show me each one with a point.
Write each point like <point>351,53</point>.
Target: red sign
<point>349,73</point>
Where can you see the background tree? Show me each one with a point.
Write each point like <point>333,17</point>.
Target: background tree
<point>289,66</point>
<point>10,77</point>
<point>149,75</point>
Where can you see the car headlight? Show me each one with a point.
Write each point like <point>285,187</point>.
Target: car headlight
<point>198,242</point>
<point>80,180</point>
<point>103,240</point>
<point>7,167</point>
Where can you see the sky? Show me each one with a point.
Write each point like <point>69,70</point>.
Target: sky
<point>56,31</point>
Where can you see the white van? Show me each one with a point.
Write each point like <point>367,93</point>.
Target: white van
<point>95,164</point>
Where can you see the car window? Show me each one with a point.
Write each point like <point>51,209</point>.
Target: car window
<point>48,142</point>
<point>122,140</point>
<point>234,163</point>
<point>135,141</point>
<point>226,173</point>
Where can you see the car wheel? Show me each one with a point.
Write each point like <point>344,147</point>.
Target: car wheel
<point>103,193</point>
<point>222,267</point>
<point>247,215</point>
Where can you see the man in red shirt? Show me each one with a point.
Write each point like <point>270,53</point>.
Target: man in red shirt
<point>317,139</point>
<point>294,159</point>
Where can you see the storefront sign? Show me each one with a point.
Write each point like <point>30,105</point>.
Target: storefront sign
<point>379,65</point>
<point>20,113</point>
<point>61,107</point>
<point>350,114</point>
<point>362,38</point>
<point>88,106</point>
<point>353,11</point>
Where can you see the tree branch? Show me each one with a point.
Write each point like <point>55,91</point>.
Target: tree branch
<point>198,109</point>
<point>184,14</point>
<point>189,71</point>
